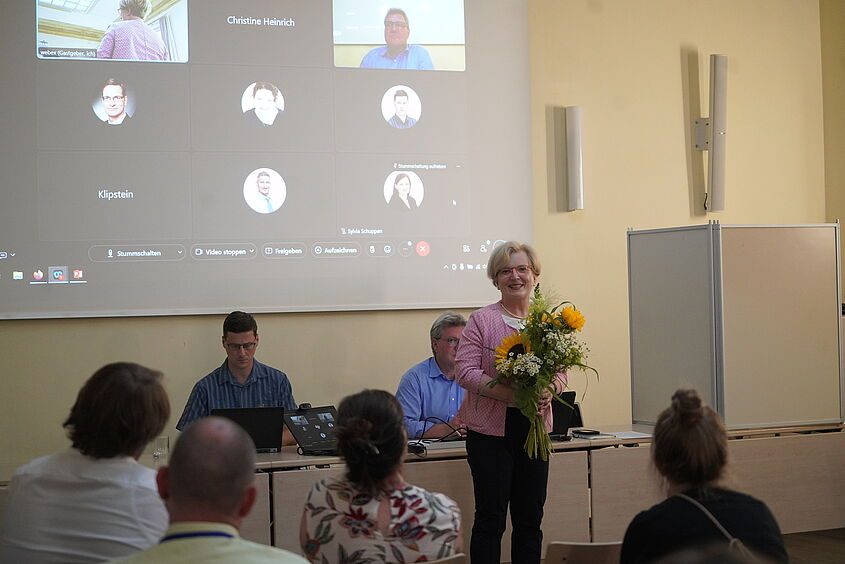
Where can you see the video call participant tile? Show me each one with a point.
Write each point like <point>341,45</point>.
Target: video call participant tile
<point>75,98</point>
<point>269,196</point>
<point>404,196</point>
<point>297,115</point>
<point>368,113</point>
<point>261,33</point>
<point>113,197</point>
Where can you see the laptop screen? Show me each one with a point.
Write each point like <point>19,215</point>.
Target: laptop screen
<point>313,429</point>
<point>263,424</point>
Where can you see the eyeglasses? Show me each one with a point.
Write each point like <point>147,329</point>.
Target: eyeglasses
<point>245,346</point>
<point>108,99</point>
<point>521,269</point>
<point>395,25</point>
<point>452,341</point>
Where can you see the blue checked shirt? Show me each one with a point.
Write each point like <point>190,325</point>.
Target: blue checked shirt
<point>414,57</point>
<point>265,387</point>
<point>425,392</point>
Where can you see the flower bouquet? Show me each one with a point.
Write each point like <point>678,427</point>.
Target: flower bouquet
<point>531,358</point>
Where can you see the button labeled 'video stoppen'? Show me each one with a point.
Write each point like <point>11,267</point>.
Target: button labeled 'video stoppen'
<point>224,251</point>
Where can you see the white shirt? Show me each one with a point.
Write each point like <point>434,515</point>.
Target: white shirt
<point>263,204</point>
<point>71,508</point>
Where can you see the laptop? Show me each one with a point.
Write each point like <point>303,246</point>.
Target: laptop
<point>564,417</point>
<point>314,429</point>
<point>263,424</point>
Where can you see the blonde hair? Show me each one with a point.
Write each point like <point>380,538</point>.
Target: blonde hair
<point>502,254</point>
<point>135,7</point>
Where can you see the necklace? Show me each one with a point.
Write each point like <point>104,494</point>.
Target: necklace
<point>509,312</point>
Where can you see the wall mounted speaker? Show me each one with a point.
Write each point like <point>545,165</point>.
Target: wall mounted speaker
<point>570,166</point>
<point>711,134</point>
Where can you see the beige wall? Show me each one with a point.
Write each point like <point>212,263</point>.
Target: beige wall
<point>625,62</point>
<point>833,81</point>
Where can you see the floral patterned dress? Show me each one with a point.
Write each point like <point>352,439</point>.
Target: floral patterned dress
<point>342,525</point>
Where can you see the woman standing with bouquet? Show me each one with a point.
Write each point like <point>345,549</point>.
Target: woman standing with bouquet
<point>502,471</point>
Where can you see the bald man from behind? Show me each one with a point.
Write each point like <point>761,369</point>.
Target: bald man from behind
<point>208,488</point>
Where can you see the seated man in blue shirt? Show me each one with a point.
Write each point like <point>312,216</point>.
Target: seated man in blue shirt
<point>428,389</point>
<point>397,54</point>
<point>241,381</point>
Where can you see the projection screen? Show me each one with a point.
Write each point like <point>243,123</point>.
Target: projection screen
<point>265,155</point>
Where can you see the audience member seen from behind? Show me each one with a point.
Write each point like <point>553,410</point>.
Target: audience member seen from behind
<point>502,473</point>
<point>93,502</point>
<point>372,512</point>
<point>690,452</point>
<point>396,53</point>
<point>131,38</point>
<point>428,393</point>
<point>209,488</point>
<point>241,381</point>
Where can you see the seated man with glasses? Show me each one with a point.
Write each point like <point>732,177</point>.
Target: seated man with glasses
<point>428,393</point>
<point>241,381</point>
<point>397,54</point>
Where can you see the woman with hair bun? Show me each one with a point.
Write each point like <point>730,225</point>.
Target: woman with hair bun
<point>372,514</point>
<point>690,452</point>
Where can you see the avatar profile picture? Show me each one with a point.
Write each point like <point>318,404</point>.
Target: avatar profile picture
<point>262,102</point>
<point>401,107</point>
<point>114,102</point>
<point>264,190</point>
<point>403,191</point>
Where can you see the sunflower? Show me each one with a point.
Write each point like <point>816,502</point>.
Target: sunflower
<point>512,346</point>
<point>573,317</point>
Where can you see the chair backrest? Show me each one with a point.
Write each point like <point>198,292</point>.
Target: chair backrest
<point>454,559</point>
<point>583,553</point>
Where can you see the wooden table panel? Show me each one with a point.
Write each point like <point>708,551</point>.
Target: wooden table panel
<point>567,511</point>
<point>451,478</point>
<point>256,525</point>
<point>798,476</point>
<point>623,484</point>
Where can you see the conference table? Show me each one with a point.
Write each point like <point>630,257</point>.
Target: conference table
<point>596,486</point>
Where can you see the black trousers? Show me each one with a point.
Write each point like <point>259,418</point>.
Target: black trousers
<point>502,473</point>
